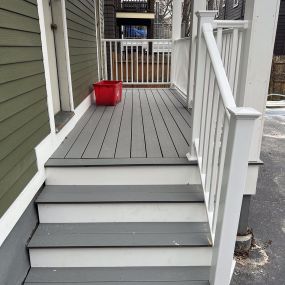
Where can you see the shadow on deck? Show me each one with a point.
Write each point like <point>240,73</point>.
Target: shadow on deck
<point>149,126</point>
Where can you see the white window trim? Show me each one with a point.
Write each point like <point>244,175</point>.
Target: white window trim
<point>236,2</point>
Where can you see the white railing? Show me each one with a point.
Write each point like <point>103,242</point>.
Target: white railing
<point>221,137</point>
<point>180,56</point>
<point>138,61</point>
<point>230,36</point>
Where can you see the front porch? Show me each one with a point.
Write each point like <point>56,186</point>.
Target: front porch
<point>149,126</point>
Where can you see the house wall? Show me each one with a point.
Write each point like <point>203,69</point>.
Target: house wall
<point>228,10</point>
<point>82,47</point>
<point>24,120</point>
<point>109,19</point>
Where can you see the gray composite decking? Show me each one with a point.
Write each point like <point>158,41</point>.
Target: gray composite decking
<point>149,126</point>
<point>90,235</point>
<point>120,276</point>
<point>56,194</point>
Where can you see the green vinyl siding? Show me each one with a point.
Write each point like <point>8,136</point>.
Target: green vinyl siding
<point>24,120</point>
<point>82,47</point>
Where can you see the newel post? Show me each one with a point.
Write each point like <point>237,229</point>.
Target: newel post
<point>200,57</point>
<point>233,186</point>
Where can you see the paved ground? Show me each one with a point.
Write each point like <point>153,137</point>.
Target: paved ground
<point>266,262</point>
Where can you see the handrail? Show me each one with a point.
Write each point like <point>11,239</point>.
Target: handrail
<point>230,24</point>
<point>222,79</point>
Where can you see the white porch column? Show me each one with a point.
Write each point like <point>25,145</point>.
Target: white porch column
<point>176,19</point>
<point>196,5</point>
<point>256,63</point>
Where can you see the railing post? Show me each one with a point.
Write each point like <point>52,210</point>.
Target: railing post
<point>203,17</point>
<point>196,5</point>
<point>233,186</point>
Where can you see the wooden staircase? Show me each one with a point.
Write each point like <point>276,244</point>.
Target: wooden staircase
<point>120,234</point>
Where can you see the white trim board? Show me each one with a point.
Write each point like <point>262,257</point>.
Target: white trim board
<point>43,152</point>
<point>127,175</point>
<point>122,212</point>
<point>120,257</point>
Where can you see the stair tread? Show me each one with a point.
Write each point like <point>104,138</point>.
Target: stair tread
<point>142,234</point>
<point>120,193</point>
<point>120,275</point>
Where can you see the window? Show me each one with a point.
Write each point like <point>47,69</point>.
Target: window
<point>235,3</point>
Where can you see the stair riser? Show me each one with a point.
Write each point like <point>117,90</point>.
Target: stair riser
<point>120,257</point>
<point>123,175</point>
<point>122,212</point>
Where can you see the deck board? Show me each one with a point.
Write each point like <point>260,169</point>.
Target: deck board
<point>94,146</point>
<point>108,149</point>
<point>151,139</point>
<point>138,137</point>
<point>177,137</point>
<point>166,143</point>
<point>148,124</point>
<point>83,139</point>
<point>125,135</point>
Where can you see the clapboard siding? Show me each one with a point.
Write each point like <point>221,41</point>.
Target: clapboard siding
<point>24,120</point>
<point>228,11</point>
<point>82,47</point>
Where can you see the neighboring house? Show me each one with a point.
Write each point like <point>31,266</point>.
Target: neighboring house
<point>144,192</point>
<point>120,17</point>
<point>234,10</point>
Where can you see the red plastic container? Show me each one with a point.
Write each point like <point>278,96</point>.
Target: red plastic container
<point>108,92</point>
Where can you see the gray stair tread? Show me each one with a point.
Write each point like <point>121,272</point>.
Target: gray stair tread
<point>121,193</point>
<point>121,235</point>
<point>120,276</point>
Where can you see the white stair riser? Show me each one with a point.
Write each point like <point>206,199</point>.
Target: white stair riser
<point>123,175</point>
<point>122,212</point>
<point>120,257</point>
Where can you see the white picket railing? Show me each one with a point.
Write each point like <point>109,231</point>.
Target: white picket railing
<point>138,61</point>
<point>230,36</point>
<point>221,137</point>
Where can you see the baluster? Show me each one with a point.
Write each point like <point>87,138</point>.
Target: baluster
<point>168,61</point>
<point>132,61</point>
<point>233,58</point>
<point>122,73</point>
<point>162,78</point>
<point>116,59</point>
<point>137,65</point>
<point>204,104</point>
<point>152,63</point>
<point>127,61</point>
<point>142,63</point>
<point>105,59</point>
<point>240,40</point>
<point>157,62</point>
<point>208,120</point>
<point>111,59</point>
<point>147,62</point>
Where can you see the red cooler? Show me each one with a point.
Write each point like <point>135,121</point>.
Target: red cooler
<point>108,92</point>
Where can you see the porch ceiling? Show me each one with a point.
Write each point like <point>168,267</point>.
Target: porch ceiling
<point>149,126</point>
